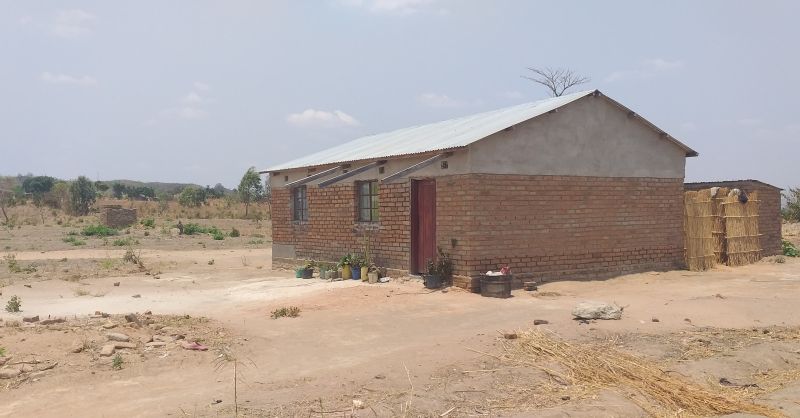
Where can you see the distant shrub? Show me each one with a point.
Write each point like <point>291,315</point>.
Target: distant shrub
<point>72,239</point>
<point>193,229</point>
<point>125,242</point>
<point>148,223</point>
<point>234,233</point>
<point>219,236</point>
<point>14,304</point>
<point>792,210</point>
<point>98,231</point>
<point>789,249</point>
<point>290,312</point>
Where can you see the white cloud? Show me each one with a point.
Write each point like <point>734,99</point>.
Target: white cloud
<point>646,69</point>
<point>395,7</point>
<point>313,117</point>
<point>191,106</point>
<point>443,100</point>
<point>73,23</point>
<point>67,79</point>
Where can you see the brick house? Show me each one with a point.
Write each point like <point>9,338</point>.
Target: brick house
<point>769,209</point>
<point>577,186</point>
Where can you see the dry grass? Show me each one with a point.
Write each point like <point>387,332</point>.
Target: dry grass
<point>741,230</point>
<point>698,230</point>
<point>601,366</point>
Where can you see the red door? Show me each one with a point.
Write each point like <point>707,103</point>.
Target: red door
<point>423,224</point>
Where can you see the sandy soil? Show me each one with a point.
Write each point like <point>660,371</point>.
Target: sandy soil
<point>374,343</point>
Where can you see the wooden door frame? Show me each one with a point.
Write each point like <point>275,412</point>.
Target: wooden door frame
<point>413,217</point>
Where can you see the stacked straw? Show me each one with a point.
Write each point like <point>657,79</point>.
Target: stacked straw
<point>601,366</point>
<point>741,230</point>
<point>718,232</point>
<point>698,227</point>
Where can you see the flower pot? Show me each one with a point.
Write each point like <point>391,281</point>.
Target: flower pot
<point>298,274</point>
<point>347,273</point>
<point>364,272</point>
<point>373,277</point>
<point>356,272</point>
<point>432,281</point>
<point>308,273</point>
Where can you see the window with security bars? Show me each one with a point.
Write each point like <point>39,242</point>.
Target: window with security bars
<point>299,204</point>
<point>367,201</point>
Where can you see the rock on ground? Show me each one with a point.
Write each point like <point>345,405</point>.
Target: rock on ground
<point>107,350</point>
<point>121,345</point>
<point>33,318</point>
<point>9,373</point>
<point>118,336</point>
<point>597,310</point>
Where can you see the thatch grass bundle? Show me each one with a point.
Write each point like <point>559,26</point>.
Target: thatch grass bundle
<point>741,230</point>
<point>698,227</point>
<point>718,195</point>
<point>604,367</point>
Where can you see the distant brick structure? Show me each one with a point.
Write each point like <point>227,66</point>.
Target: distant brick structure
<point>115,216</point>
<point>769,209</point>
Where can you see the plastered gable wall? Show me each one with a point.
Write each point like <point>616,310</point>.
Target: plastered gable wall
<point>588,137</point>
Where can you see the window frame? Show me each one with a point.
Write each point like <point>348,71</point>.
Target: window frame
<point>299,204</point>
<point>373,194</point>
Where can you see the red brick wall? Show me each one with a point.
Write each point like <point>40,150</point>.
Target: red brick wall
<point>332,231</point>
<point>561,226</point>
<point>549,226</point>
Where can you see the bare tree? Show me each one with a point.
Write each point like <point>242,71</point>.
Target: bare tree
<point>557,80</point>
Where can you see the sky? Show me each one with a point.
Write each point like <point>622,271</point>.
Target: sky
<point>198,91</point>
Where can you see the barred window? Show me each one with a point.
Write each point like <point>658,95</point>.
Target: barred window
<point>367,192</point>
<point>299,204</point>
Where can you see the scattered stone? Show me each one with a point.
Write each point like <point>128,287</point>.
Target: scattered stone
<point>3,360</point>
<point>107,350</point>
<point>216,401</point>
<point>655,319</point>
<point>27,285</point>
<point>155,344</point>
<point>123,345</point>
<point>597,310</point>
<point>136,296</point>
<point>148,312</point>
<point>118,336</point>
<point>156,326</point>
<point>109,325</point>
<point>77,348</point>
<point>540,322</point>
<point>9,373</point>
<point>358,404</point>
<point>510,335</point>
<point>50,321</point>
<point>380,377</point>
<point>101,314</point>
<point>565,398</point>
<point>146,339</point>
<point>133,318</point>
<point>31,318</point>
<point>116,284</point>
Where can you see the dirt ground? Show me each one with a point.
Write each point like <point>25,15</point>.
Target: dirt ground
<point>392,349</point>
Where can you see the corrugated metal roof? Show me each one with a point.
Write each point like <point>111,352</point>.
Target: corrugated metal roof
<point>449,134</point>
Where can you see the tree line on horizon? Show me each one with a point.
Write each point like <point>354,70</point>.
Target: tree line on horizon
<point>78,196</point>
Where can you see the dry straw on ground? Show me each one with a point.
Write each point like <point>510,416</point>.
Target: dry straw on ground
<point>602,366</point>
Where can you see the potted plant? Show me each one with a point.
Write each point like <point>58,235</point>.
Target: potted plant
<point>308,270</point>
<point>344,263</point>
<point>372,274</point>
<point>440,270</point>
<point>355,263</point>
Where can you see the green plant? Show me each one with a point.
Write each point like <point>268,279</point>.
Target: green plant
<point>791,212</point>
<point>250,189</point>
<point>2,351</point>
<point>15,267</point>
<point>98,231</point>
<point>117,362</point>
<point>148,223</point>
<point>219,236</point>
<point>442,266</point>
<point>131,256</point>
<point>346,260</point>
<point>357,260</point>
<point>72,239</point>
<point>234,233</point>
<point>193,229</point>
<point>125,242</point>
<point>288,312</point>
<point>789,249</point>
<point>255,242</point>
<point>14,304</point>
